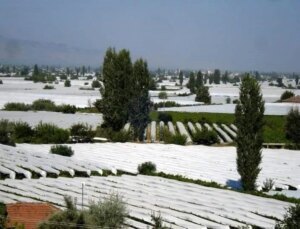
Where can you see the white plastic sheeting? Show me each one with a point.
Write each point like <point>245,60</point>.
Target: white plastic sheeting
<point>182,130</point>
<point>181,205</point>
<point>13,161</point>
<point>196,161</point>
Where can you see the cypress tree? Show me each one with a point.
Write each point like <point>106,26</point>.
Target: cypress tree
<point>249,114</point>
<point>180,78</point>
<point>139,104</point>
<point>199,79</point>
<point>191,84</point>
<point>217,76</point>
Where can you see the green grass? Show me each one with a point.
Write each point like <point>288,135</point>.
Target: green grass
<point>274,131</point>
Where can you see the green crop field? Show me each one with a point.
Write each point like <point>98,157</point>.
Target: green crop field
<point>274,131</point>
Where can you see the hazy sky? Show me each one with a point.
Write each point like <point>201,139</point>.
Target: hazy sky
<point>225,34</point>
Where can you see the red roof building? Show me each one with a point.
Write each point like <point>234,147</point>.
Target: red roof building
<point>294,99</point>
<point>28,214</point>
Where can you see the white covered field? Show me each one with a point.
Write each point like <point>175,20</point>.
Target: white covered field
<point>16,89</point>
<point>18,163</point>
<point>182,205</point>
<point>19,90</point>
<point>196,161</point>
<point>62,120</point>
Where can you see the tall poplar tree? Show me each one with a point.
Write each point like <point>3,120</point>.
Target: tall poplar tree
<point>249,113</point>
<point>139,104</point>
<point>117,70</point>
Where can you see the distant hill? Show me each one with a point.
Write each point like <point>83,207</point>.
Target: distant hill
<point>15,51</point>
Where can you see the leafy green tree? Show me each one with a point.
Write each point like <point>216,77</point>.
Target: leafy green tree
<point>180,78</point>
<point>249,119</point>
<point>292,126</point>
<point>67,83</point>
<point>217,76</point>
<point>116,90</point>
<point>202,95</point>
<point>192,83</point>
<point>287,94</point>
<point>139,105</point>
<point>291,218</point>
<point>199,79</point>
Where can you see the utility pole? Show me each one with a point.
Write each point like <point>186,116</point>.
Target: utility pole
<point>83,184</point>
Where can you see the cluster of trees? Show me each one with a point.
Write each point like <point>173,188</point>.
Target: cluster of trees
<point>125,92</point>
<point>40,76</point>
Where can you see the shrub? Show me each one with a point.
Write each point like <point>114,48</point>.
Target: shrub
<point>48,87</point>
<point>63,77</point>
<point>165,117</point>
<point>291,218</point>
<point>62,150</point>
<point>3,215</point>
<point>16,107</point>
<point>50,133</point>
<point>268,184</point>
<point>87,88</point>
<point>287,94</point>
<point>108,213</point>
<point>147,168</point>
<point>1,82</point>
<point>177,138</point>
<point>43,105</point>
<point>228,100</point>
<point>67,83</point>
<point>235,101</point>
<point>163,88</point>
<point>22,132</point>
<point>163,95</point>
<point>165,104</point>
<point>114,136</point>
<point>82,131</point>
<point>96,84</point>
<point>68,218</point>
<point>157,221</point>
<point>73,77</point>
<point>205,137</point>
<point>66,108</point>
<point>120,136</point>
<point>6,130</point>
